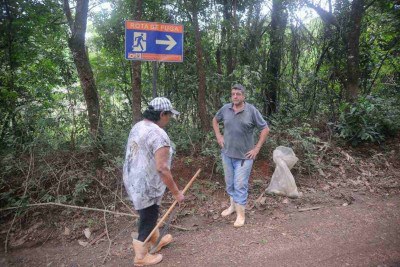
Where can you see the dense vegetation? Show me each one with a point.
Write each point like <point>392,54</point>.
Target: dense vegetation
<point>317,69</point>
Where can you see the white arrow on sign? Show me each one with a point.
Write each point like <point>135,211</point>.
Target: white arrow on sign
<point>170,42</point>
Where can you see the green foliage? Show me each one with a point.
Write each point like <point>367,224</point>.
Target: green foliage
<point>370,119</point>
<point>185,138</point>
<point>300,135</point>
<point>197,190</point>
<point>8,198</point>
<point>43,111</point>
<point>80,193</point>
<point>210,148</point>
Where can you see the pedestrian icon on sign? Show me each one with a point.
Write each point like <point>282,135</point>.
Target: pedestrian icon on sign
<point>139,41</point>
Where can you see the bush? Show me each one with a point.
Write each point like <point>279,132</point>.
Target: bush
<point>186,138</point>
<point>371,119</point>
<point>288,129</point>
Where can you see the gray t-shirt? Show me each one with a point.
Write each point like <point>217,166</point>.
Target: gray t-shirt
<point>141,179</point>
<point>239,129</point>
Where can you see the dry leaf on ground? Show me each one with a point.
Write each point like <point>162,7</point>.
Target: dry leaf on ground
<point>87,233</point>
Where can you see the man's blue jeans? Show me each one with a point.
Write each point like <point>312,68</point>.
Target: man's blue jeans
<point>237,173</point>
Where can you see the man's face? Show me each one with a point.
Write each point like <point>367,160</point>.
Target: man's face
<point>237,96</point>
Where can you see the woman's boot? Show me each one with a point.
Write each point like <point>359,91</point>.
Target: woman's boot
<point>165,240</point>
<point>142,255</point>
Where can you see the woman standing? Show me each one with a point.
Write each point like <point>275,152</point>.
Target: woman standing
<point>147,173</point>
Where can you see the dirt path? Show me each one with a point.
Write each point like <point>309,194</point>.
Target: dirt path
<point>365,233</point>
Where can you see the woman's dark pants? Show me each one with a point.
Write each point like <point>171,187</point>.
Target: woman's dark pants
<point>147,221</point>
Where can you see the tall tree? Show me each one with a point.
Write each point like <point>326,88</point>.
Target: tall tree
<point>227,36</point>
<point>194,7</point>
<point>76,42</point>
<point>136,68</point>
<point>26,82</point>
<point>229,30</point>
<point>8,91</point>
<point>349,32</point>
<point>353,50</point>
<point>277,32</point>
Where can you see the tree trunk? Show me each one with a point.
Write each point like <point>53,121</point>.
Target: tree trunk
<point>201,97</point>
<point>350,76</point>
<point>9,104</point>
<point>220,88</point>
<point>277,33</point>
<point>353,53</point>
<point>136,67</point>
<point>76,43</point>
<point>227,36</point>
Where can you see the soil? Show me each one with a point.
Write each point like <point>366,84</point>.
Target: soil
<point>348,215</point>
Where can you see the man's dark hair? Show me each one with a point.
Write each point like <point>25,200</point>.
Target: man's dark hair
<point>239,87</point>
<point>153,115</point>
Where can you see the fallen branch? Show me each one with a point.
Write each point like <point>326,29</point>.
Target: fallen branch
<point>179,228</point>
<point>307,209</point>
<point>31,162</point>
<point>108,236</point>
<point>86,208</point>
<point>98,238</point>
<point>73,207</point>
<point>120,199</point>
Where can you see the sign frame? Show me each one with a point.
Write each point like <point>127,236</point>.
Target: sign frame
<point>153,41</point>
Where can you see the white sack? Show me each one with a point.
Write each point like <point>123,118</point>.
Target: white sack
<point>282,181</point>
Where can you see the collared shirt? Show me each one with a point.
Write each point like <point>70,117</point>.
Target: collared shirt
<point>141,178</point>
<point>239,129</point>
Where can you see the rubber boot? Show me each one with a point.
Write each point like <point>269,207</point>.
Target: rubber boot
<point>142,255</point>
<point>165,240</point>
<point>240,210</point>
<point>229,210</point>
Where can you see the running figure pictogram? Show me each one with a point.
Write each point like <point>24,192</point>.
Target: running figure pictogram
<point>139,41</point>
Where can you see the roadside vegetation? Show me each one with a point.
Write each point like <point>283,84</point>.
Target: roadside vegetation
<point>328,84</point>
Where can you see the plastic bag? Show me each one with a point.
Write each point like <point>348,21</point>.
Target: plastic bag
<point>282,181</point>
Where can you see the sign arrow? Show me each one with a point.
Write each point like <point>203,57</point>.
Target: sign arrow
<point>170,42</point>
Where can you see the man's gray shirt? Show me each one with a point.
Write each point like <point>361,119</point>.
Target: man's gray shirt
<point>239,129</point>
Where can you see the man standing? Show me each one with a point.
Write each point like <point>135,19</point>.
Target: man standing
<point>147,173</point>
<point>237,148</point>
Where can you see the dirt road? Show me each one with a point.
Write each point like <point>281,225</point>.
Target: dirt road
<point>365,233</point>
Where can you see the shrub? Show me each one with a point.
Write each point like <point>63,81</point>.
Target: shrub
<point>370,119</point>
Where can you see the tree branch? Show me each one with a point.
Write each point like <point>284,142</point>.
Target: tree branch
<point>71,206</point>
<point>381,64</point>
<point>369,4</point>
<point>85,208</point>
<point>68,14</point>
<point>327,17</point>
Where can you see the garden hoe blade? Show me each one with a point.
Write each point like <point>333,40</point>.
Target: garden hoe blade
<point>171,208</point>
<point>163,231</point>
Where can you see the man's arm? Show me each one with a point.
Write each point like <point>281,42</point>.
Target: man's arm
<point>220,137</point>
<point>263,136</point>
<point>162,157</point>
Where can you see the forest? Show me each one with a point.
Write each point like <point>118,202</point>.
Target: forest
<point>325,74</point>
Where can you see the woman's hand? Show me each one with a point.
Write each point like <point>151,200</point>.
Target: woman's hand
<point>179,196</point>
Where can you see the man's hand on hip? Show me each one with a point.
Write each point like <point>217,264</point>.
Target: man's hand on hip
<point>252,154</point>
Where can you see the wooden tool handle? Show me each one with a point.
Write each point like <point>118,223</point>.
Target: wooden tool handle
<point>172,207</point>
